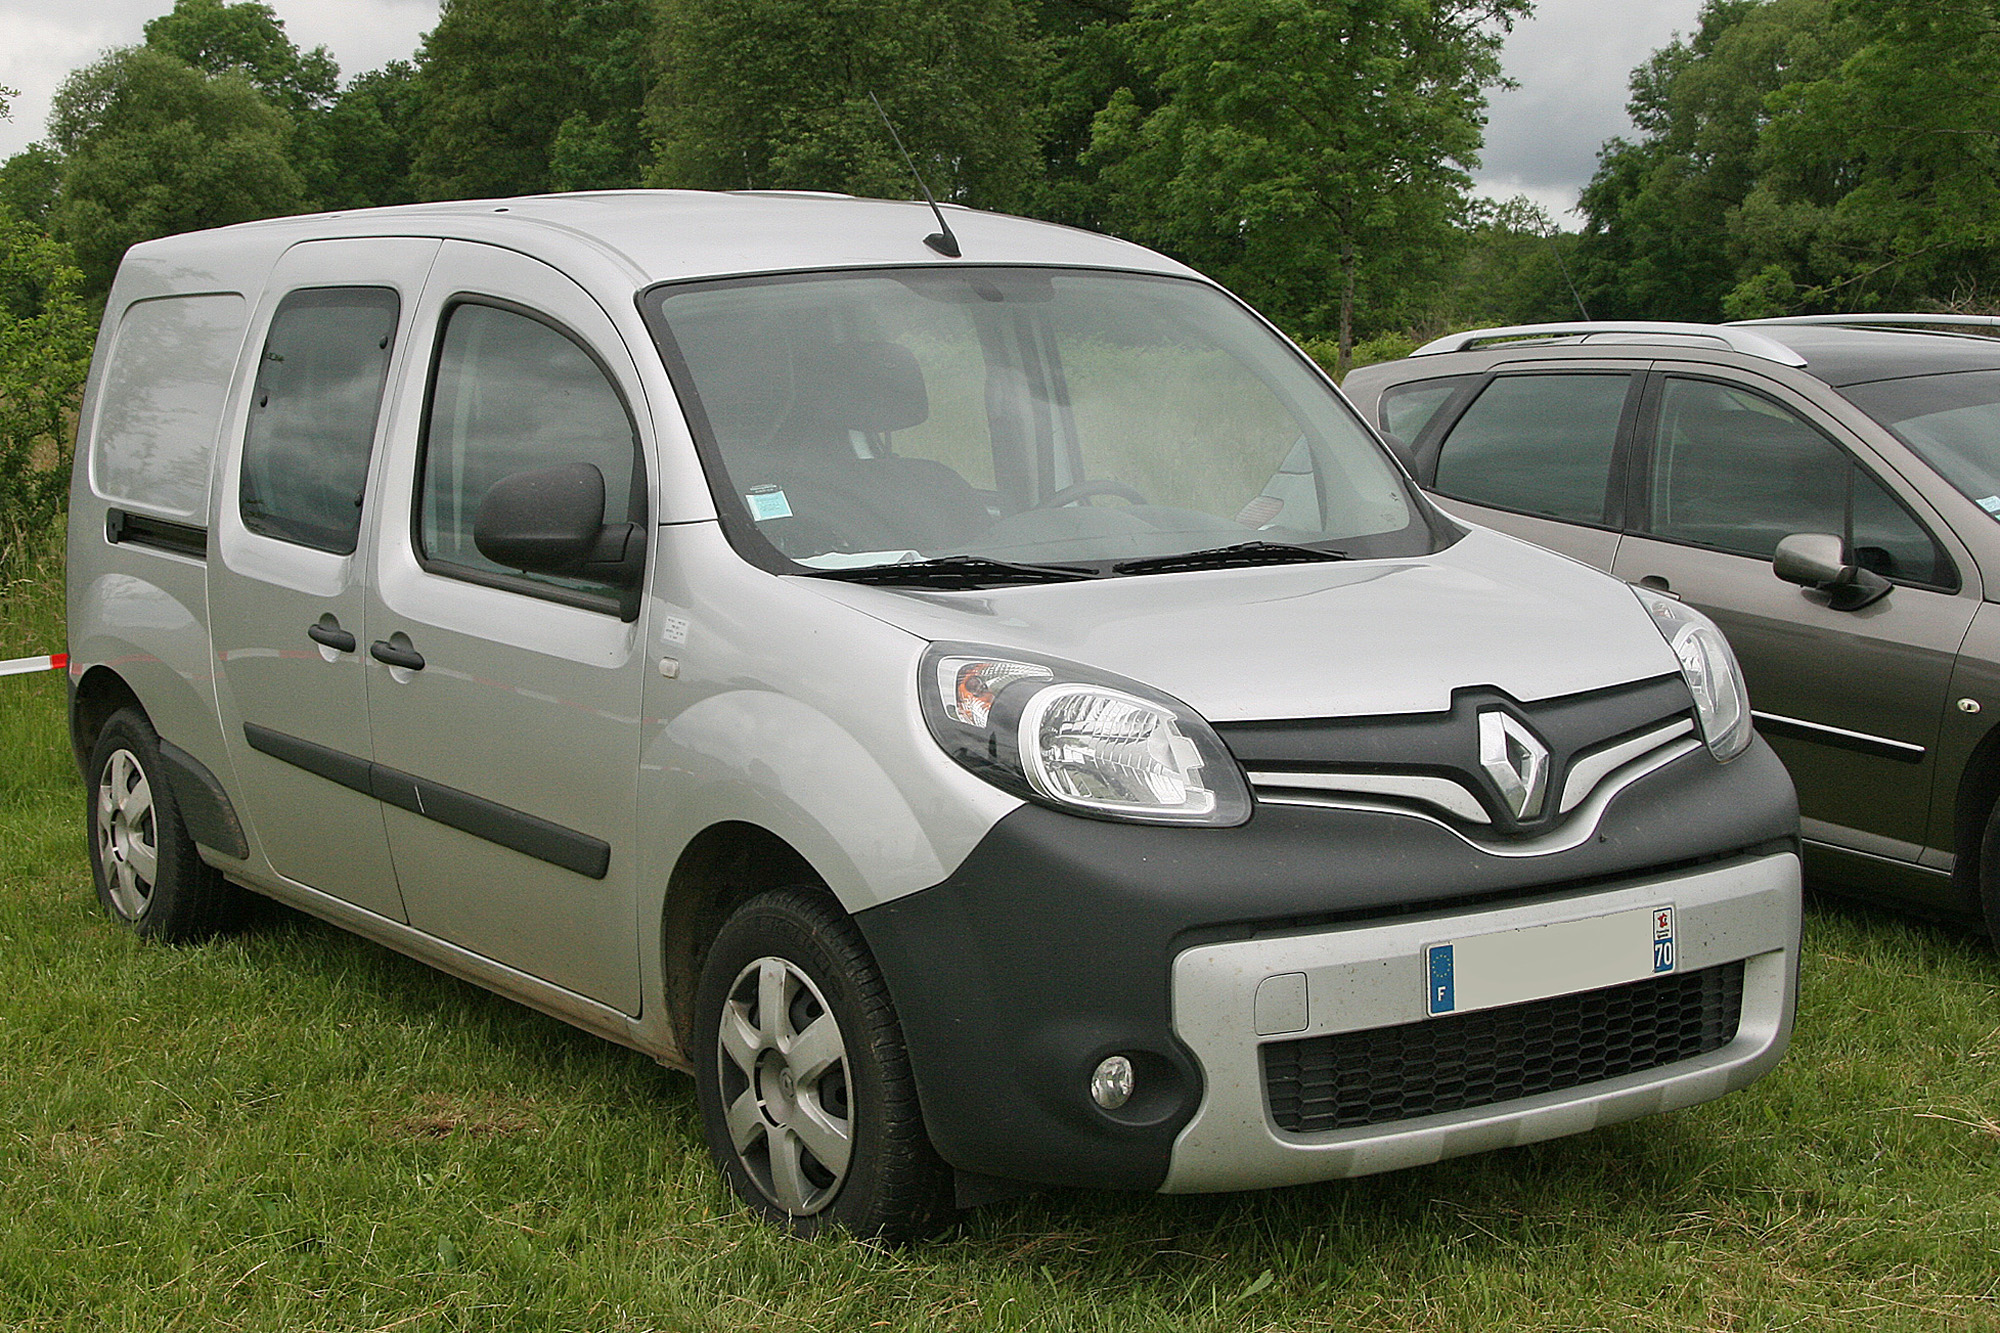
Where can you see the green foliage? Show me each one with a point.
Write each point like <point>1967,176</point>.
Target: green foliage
<point>45,337</point>
<point>1087,59</point>
<point>1805,155</point>
<point>30,181</point>
<point>1660,241</point>
<point>1299,146</point>
<point>774,94</point>
<point>364,142</point>
<point>152,146</point>
<point>522,96</point>
<point>1880,179</point>
<point>249,38</point>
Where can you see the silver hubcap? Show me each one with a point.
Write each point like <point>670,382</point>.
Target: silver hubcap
<point>784,1081</point>
<point>128,845</point>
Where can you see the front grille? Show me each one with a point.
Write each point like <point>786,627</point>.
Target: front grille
<point>1381,1075</point>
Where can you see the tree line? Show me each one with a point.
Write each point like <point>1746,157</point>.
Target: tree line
<point>1313,154</point>
<point>1792,156</point>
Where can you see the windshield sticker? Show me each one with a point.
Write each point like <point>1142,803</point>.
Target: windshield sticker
<point>767,503</point>
<point>1991,504</point>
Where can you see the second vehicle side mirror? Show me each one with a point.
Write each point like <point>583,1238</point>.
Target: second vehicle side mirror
<point>1819,560</point>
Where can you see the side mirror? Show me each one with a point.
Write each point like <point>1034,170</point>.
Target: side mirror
<point>1818,560</point>
<point>551,521</point>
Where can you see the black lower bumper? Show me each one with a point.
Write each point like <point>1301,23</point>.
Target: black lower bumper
<point>1051,946</point>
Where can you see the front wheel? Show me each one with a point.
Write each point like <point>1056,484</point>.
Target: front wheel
<point>807,1098</point>
<point>1989,873</point>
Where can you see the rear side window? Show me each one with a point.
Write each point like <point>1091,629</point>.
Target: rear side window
<point>1538,444</point>
<point>1734,471</point>
<point>160,407</point>
<point>1405,409</point>
<point>313,414</point>
<point>514,394</point>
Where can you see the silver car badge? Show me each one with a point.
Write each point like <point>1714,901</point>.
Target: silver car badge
<point>1517,762</point>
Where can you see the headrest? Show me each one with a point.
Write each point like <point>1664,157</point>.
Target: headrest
<point>874,387</point>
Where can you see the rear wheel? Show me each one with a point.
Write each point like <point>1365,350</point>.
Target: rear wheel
<point>147,870</point>
<point>806,1094</point>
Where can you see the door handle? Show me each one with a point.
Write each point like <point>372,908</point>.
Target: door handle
<point>331,636</point>
<point>1658,583</point>
<point>407,658</point>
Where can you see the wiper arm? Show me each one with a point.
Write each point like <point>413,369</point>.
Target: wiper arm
<point>956,571</point>
<point>1229,557</point>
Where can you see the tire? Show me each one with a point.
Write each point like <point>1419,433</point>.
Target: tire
<point>147,870</point>
<point>1989,873</point>
<point>808,1104</point>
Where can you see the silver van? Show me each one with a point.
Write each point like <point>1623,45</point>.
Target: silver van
<point>976,697</point>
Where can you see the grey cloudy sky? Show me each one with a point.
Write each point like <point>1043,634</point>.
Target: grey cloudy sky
<point>1572,60</point>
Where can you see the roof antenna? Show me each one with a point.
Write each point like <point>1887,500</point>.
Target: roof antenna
<point>941,240</point>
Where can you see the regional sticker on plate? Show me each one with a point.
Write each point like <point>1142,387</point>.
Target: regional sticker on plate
<point>1536,962</point>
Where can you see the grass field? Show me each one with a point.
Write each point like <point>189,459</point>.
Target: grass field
<point>292,1129</point>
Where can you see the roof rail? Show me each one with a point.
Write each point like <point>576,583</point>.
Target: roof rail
<point>1887,321</point>
<point>1735,339</point>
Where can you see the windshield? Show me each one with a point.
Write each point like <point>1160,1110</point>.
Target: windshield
<point>864,419</point>
<point>1950,421</point>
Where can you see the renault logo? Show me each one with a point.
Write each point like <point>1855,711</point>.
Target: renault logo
<point>1516,761</point>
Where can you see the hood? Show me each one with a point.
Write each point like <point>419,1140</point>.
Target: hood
<point>1320,640</point>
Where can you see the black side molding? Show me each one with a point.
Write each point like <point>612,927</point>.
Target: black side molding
<point>205,807</point>
<point>159,533</point>
<point>517,830</point>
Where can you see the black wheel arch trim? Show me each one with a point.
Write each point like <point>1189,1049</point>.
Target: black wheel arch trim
<point>205,807</point>
<point>531,835</point>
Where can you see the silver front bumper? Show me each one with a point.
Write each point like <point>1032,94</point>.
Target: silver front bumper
<point>1372,976</point>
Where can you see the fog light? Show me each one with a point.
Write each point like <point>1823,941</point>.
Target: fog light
<point>1111,1085</point>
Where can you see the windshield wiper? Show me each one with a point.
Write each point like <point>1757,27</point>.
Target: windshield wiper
<point>1228,557</point>
<point>956,571</point>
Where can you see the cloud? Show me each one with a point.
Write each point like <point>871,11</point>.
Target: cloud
<point>1573,61</point>
<point>40,43</point>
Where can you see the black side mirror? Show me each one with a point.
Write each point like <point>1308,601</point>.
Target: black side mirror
<point>1818,560</point>
<point>551,521</point>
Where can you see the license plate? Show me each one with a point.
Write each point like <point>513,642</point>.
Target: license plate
<point>1536,962</point>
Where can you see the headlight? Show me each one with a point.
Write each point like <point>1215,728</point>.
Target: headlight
<point>1710,670</point>
<point>1080,740</point>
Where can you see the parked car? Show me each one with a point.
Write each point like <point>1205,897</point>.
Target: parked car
<point>876,680</point>
<point>1826,489</point>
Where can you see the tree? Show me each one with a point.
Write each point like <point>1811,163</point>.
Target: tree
<point>1301,146</point>
<point>775,94</point>
<point>247,38</point>
<point>1666,236</point>
<point>45,337</point>
<point>151,146</point>
<point>29,182</point>
<point>366,140</point>
<point>1880,179</point>
<point>521,96</point>
<point>1087,58</point>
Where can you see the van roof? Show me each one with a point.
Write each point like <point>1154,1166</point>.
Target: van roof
<point>664,235</point>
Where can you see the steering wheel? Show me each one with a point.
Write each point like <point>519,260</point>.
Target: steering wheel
<point>1083,490</point>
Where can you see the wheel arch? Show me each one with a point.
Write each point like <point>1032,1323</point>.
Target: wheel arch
<point>92,700</point>
<point>1978,791</point>
<point>723,866</point>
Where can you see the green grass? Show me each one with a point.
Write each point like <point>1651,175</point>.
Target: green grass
<point>292,1129</point>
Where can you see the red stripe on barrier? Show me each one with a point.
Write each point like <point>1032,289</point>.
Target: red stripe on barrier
<point>22,665</point>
